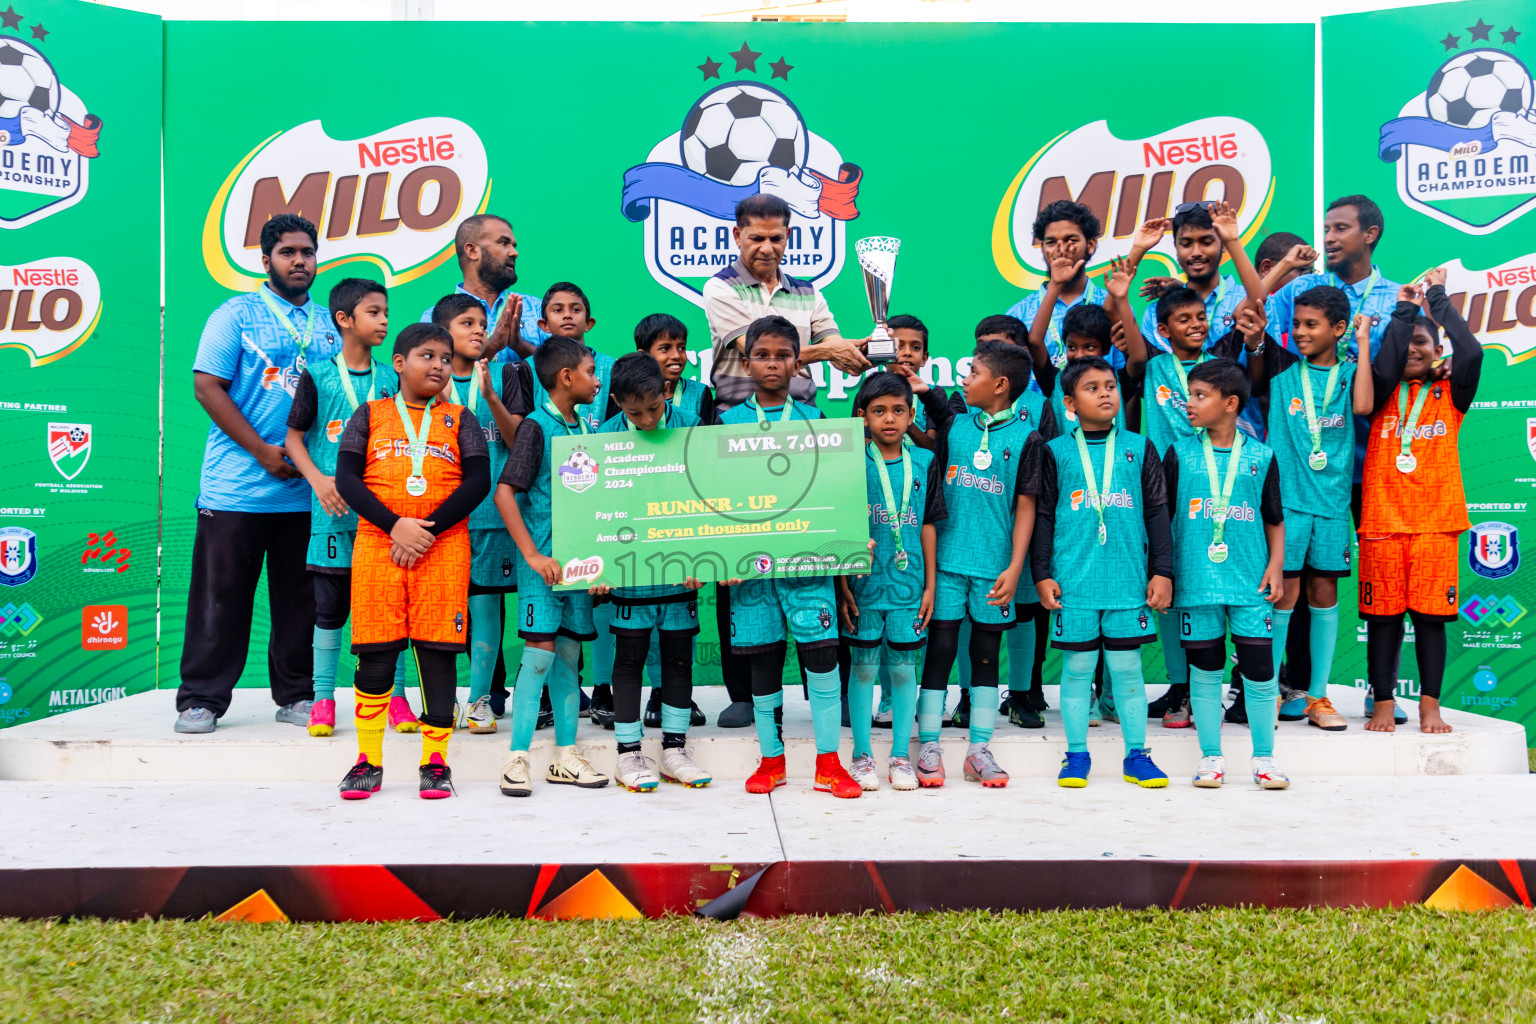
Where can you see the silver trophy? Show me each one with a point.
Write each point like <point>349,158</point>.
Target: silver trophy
<point>877,261</point>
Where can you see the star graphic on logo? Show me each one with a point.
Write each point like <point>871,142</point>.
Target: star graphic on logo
<point>39,33</point>
<point>1450,42</point>
<point>9,18</point>
<point>1509,35</point>
<point>710,67</point>
<point>1480,30</point>
<point>745,58</point>
<point>781,69</point>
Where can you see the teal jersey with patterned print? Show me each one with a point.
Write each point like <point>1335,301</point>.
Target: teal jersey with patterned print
<point>1234,581</point>
<point>1091,575</point>
<point>1165,402</point>
<point>888,588</point>
<point>323,439</point>
<point>1028,407</point>
<point>463,392</point>
<point>746,412</point>
<point>976,539</point>
<point>534,502</point>
<point>594,411</point>
<point>692,400</point>
<point>1324,492</point>
<point>673,419</point>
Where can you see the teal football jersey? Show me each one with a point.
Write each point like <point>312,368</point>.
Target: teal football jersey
<point>673,419</point>
<point>692,398</point>
<point>888,588</point>
<point>977,537</point>
<point>529,470</point>
<point>323,438</point>
<point>1113,574</point>
<point>746,412</point>
<point>595,411</point>
<point>1235,581</point>
<point>1165,402</point>
<point>463,392</point>
<point>1324,492</point>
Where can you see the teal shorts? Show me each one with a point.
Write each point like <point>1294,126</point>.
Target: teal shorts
<point>673,618</point>
<point>1320,545</point>
<point>1114,629</point>
<point>760,608</point>
<point>901,631</point>
<point>543,613</point>
<point>1209,624</point>
<point>330,550</point>
<point>492,561</point>
<point>956,597</point>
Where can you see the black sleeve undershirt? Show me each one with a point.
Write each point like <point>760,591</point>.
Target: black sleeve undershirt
<point>1042,542</point>
<point>1269,502</point>
<point>1466,351</point>
<point>1154,500</point>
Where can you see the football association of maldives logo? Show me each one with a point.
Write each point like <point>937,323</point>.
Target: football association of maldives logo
<point>47,139</point>
<point>1470,135</point>
<point>69,447</point>
<point>738,139</point>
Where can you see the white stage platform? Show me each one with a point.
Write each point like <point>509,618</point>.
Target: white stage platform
<point>131,740</point>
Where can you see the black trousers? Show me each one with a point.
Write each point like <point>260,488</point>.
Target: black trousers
<point>227,559</point>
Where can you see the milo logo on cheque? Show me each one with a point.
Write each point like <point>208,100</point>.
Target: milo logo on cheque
<point>582,570</point>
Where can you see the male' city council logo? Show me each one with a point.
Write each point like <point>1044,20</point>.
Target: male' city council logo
<point>739,139</point>
<point>47,139</point>
<point>1493,550</point>
<point>1470,135</point>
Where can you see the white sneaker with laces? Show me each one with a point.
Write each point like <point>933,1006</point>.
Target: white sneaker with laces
<point>863,771</point>
<point>478,716</point>
<point>901,774</point>
<point>1267,774</point>
<point>677,766</point>
<point>571,769</point>
<point>636,773</point>
<point>1211,772</point>
<point>516,775</point>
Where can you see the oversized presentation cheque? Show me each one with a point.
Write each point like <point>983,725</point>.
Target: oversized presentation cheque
<point>746,501</point>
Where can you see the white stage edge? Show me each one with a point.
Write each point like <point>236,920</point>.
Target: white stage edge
<point>131,741</point>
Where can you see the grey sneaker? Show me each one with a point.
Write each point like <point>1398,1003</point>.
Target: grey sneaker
<point>737,715</point>
<point>196,720</point>
<point>296,713</point>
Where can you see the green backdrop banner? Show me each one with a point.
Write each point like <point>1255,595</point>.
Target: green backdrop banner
<point>615,150</point>
<point>1442,137</point>
<point>79,354</point>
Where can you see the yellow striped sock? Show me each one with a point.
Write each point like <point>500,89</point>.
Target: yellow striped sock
<point>369,718</point>
<point>434,741</point>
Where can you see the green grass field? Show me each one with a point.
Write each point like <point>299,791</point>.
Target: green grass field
<point>1225,966</point>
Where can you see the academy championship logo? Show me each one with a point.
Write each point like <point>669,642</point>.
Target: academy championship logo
<point>1464,145</point>
<point>579,471</point>
<point>1127,181</point>
<point>49,307</point>
<point>392,198</point>
<point>1493,550</point>
<point>69,447</point>
<point>739,139</point>
<point>18,556</point>
<point>47,140</point>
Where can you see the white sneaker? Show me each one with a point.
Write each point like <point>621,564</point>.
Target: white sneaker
<point>635,773</point>
<point>571,769</point>
<point>863,771</point>
<point>515,775</point>
<point>881,719</point>
<point>1211,772</point>
<point>901,774</point>
<point>478,716</point>
<point>1267,774</point>
<point>677,766</point>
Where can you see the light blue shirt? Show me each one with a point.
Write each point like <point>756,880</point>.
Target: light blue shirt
<point>1055,345</point>
<point>245,344</point>
<point>1220,313</point>
<point>533,310</point>
<point>1378,305</point>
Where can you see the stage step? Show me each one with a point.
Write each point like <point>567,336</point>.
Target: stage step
<point>131,740</point>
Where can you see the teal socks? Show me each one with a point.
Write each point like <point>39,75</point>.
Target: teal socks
<point>532,676</point>
<point>603,645</point>
<point>930,714</point>
<point>1173,651</point>
<point>1260,697</point>
<point>983,713</point>
<point>904,707</point>
<point>675,720</point>
<point>564,694</point>
<point>1076,691</point>
<point>1281,630</point>
<point>400,675</point>
<point>327,654</point>
<point>768,742</point>
<point>627,732</point>
<point>1021,658</point>
<point>485,630</point>
<point>1325,635</point>
<point>1205,706</point>
<point>861,700</point>
<point>1130,690</point>
<point>827,709</point>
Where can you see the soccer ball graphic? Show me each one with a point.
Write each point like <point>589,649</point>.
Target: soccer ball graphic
<point>736,130</point>
<point>77,435</point>
<point>581,462</point>
<point>26,79</point>
<point>1471,87</point>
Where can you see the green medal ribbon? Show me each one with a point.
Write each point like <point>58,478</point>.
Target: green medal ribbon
<point>1183,374</point>
<point>416,483</point>
<point>474,389</point>
<point>346,380</point>
<point>630,424</point>
<point>986,421</point>
<point>1355,307</point>
<point>1218,549</point>
<point>1319,458</point>
<point>677,394</point>
<point>1098,495</point>
<point>1407,462</point>
<point>890,499</point>
<point>309,330</point>
<point>789,408</point>
<point>554,410</point>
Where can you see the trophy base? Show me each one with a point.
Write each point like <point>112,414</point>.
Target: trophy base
<point>880,351</point>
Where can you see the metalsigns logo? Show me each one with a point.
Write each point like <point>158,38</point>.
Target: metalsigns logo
<point>1493,550</point>
<point>1464,145</point>
<point>49,307</point>
<point>1127,181</point>
<point>392,198</point>
<point>47,139</point>
<point>739,139</point>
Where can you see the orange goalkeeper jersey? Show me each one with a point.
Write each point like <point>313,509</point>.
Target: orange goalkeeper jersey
<point>1431,498</point>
